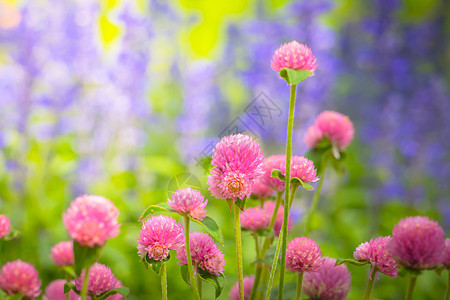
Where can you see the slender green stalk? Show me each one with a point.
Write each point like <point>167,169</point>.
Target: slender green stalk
<point>294,189</point>
<point>274,264</point>
<point>299,286</point>
<point>258,269</point>
<point>237,235</point>
<point>409,292</point>
<point>164,281</point>
<point>84,289</point>
<point>189,259</point>
<point>199,285</point>
<point>369,286</point>
<point>272,223</point>
<point>67,280</point>
<point>447,291</point>
<point>315,200</point>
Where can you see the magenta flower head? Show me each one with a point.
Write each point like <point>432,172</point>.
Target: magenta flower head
<point>417,243</point>
<point>261,189</point>
<point>62,254</point>
<point>237,162</point>
<point>159,234</point>
<point>189,201</point>
<point>5,226</point>
<point>302,168</point>
<point>204,253</point>
<point>19,277</point>
<point>91,220</point>
<point>329,282</point>
<point>100,280</point>
<point>333,125</point>
<point>302,255</point>
<point>375,251</point>
<point>271,163</point>
<point>255,218</point>
<point>248,285</point>
<point>55,291</point>
<point>294,55</point>
<point>269,206</point>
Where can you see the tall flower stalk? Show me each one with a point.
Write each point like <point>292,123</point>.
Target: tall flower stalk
<point>192,278</point>
<point>316,197</point>
<point>237,234</point>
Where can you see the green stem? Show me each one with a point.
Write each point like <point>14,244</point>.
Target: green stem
<point>84,289</point>
<point>294,189</point>
<point>189,259</point>
<point>369,286</point>
<point>67,280</point>
<point>237,234</point>
<point>299,286</point>
<point>272,222</point>
<point>274,264</point>
<point>409,292</point>
<point>199,285</point>
<point>258,269</point>
<point>447,291</point>
<point>164,281</point>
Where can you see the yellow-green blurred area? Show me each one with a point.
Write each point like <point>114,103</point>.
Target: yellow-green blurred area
<point>124,99</point>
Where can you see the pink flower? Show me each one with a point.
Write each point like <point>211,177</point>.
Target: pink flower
<point>293,55</point>
<point>417,243</point>
<point>248,285</point>
<point>302,168</point>
<point>204,253</point>
<point>329,282</point>
<point>261,189</point>
<point>55,291</point>
<point>100,280</point>
<point>302,255</point>
<point>447,253</point>
<point>237,163</point>
<point>375,251</point>
<point>62,254</point>
<point>269,206</point>
<point>271,163</point>
<point>255,218</point>
<point>159,235</point>
<point>5,226</point>
<point>19,277</point>
<point>189,201</point>
<point>91,220</point>
<point>333,125</point>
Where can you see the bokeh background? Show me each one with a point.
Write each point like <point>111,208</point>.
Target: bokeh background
<point>118,97</point>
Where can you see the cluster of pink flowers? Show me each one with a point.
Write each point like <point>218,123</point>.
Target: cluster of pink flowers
<point>19,277</point>
<point>62,254</point>
<point>189,201</point>
<point>248,285</point>
<point>100,280</point>
<point>255,218</point>
<point>294,55</point>
<point>302,255</point>
<point>5,226</point>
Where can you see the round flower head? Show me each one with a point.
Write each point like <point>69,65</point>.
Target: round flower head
<point>204,253</point>
<point>248,285</point>
<point>261,189</point>
<point>55,291</point>
<point>189,201</point>
<point>255,218</point>
<point>19,277</point>
<point>269,206</point>
<point>302,255</point>
<point>417,243</point>
<point>294,55</point>
<point>62,254</point>
<point>237,163</point>
<point>375,251</point>
<point>302,168</point>
<point>91,220</point>
<point>5,226</point>
<point>271,163</point>
<point>329,282</point>
<point>333,125</point>
<point>100,280</point>
<point>447,253</point>
<point>159,234</point>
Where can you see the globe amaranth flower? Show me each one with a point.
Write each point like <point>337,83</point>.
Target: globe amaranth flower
<point>302,255</point>
<point>204,253</point>
<point>19,277</point>
<point>269,206</point>
<point>55,291</point>
<point>302,168</point>
<point>255,218</point>
<point>5,226</point>
<point>62,254</point>
<point>261,189</point>
<point>417,243</point>
<point>332,125</point>
<point>91,220</point>
<point>100,280</point>
<point>248,285</point>
<point>375,251</point>
<point>294,55</point>
<point>447,253</point>
<point>159,234</point>
<point>329,282</point>
<point>189,201</point>
<point>271,163</point>
<point>237,162</point>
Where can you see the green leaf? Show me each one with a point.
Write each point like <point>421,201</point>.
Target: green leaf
<point>230,203</point>
<point>294,76</point>
<point>157,208</point>
<point>69,270</point>
<point>85,256</point>
<point>297,181</point>
<point>351,261</point>
<point>211,227</point>
<point>68,286</point>
<point>277,173</point>
<point>155,265</point>
<point>12,235</point>
<point>185,274</point>
<point>408,273</point>
<point>15,297</point>
<point>124,291</point>
<point>218,281</point>
<point>240,203</point>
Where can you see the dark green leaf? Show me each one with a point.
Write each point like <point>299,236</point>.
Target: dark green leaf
<point>277,173</point>
<point>351,261</point>
<point>68,286</point>
<point>85,256</point>
<point>155,265</point>
<point>211,227</point>
<point>12,235</point>
<point>240,203</point>
<point>185,274</point>
<point>294,76</point>
<point>218,281</point>
<point>124,291</point>
<point>297,182</point>
<point>157,208</point>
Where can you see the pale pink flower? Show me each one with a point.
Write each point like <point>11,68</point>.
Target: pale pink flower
<point>62,254</point>
<point>329,282</point>
<point>293,55</point>
<point>333,125</point>
<point>204,254</point>
<point>302,255</point>
<point>189,201</point>
<point>100,280</point>
<point>237,162</point>
<point>375,251</point>
<point>91,220</point>
<point>55,291</point>
<point>447,253</point>
<point>261,189</point>
<point>255,218</point>
<point>302,168</point>
<point>5,226</point>
<point>19,277</point>
<point>269,207</point>
<point>248,285</point>
<point>159,234</point>
<point>271,163</point>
